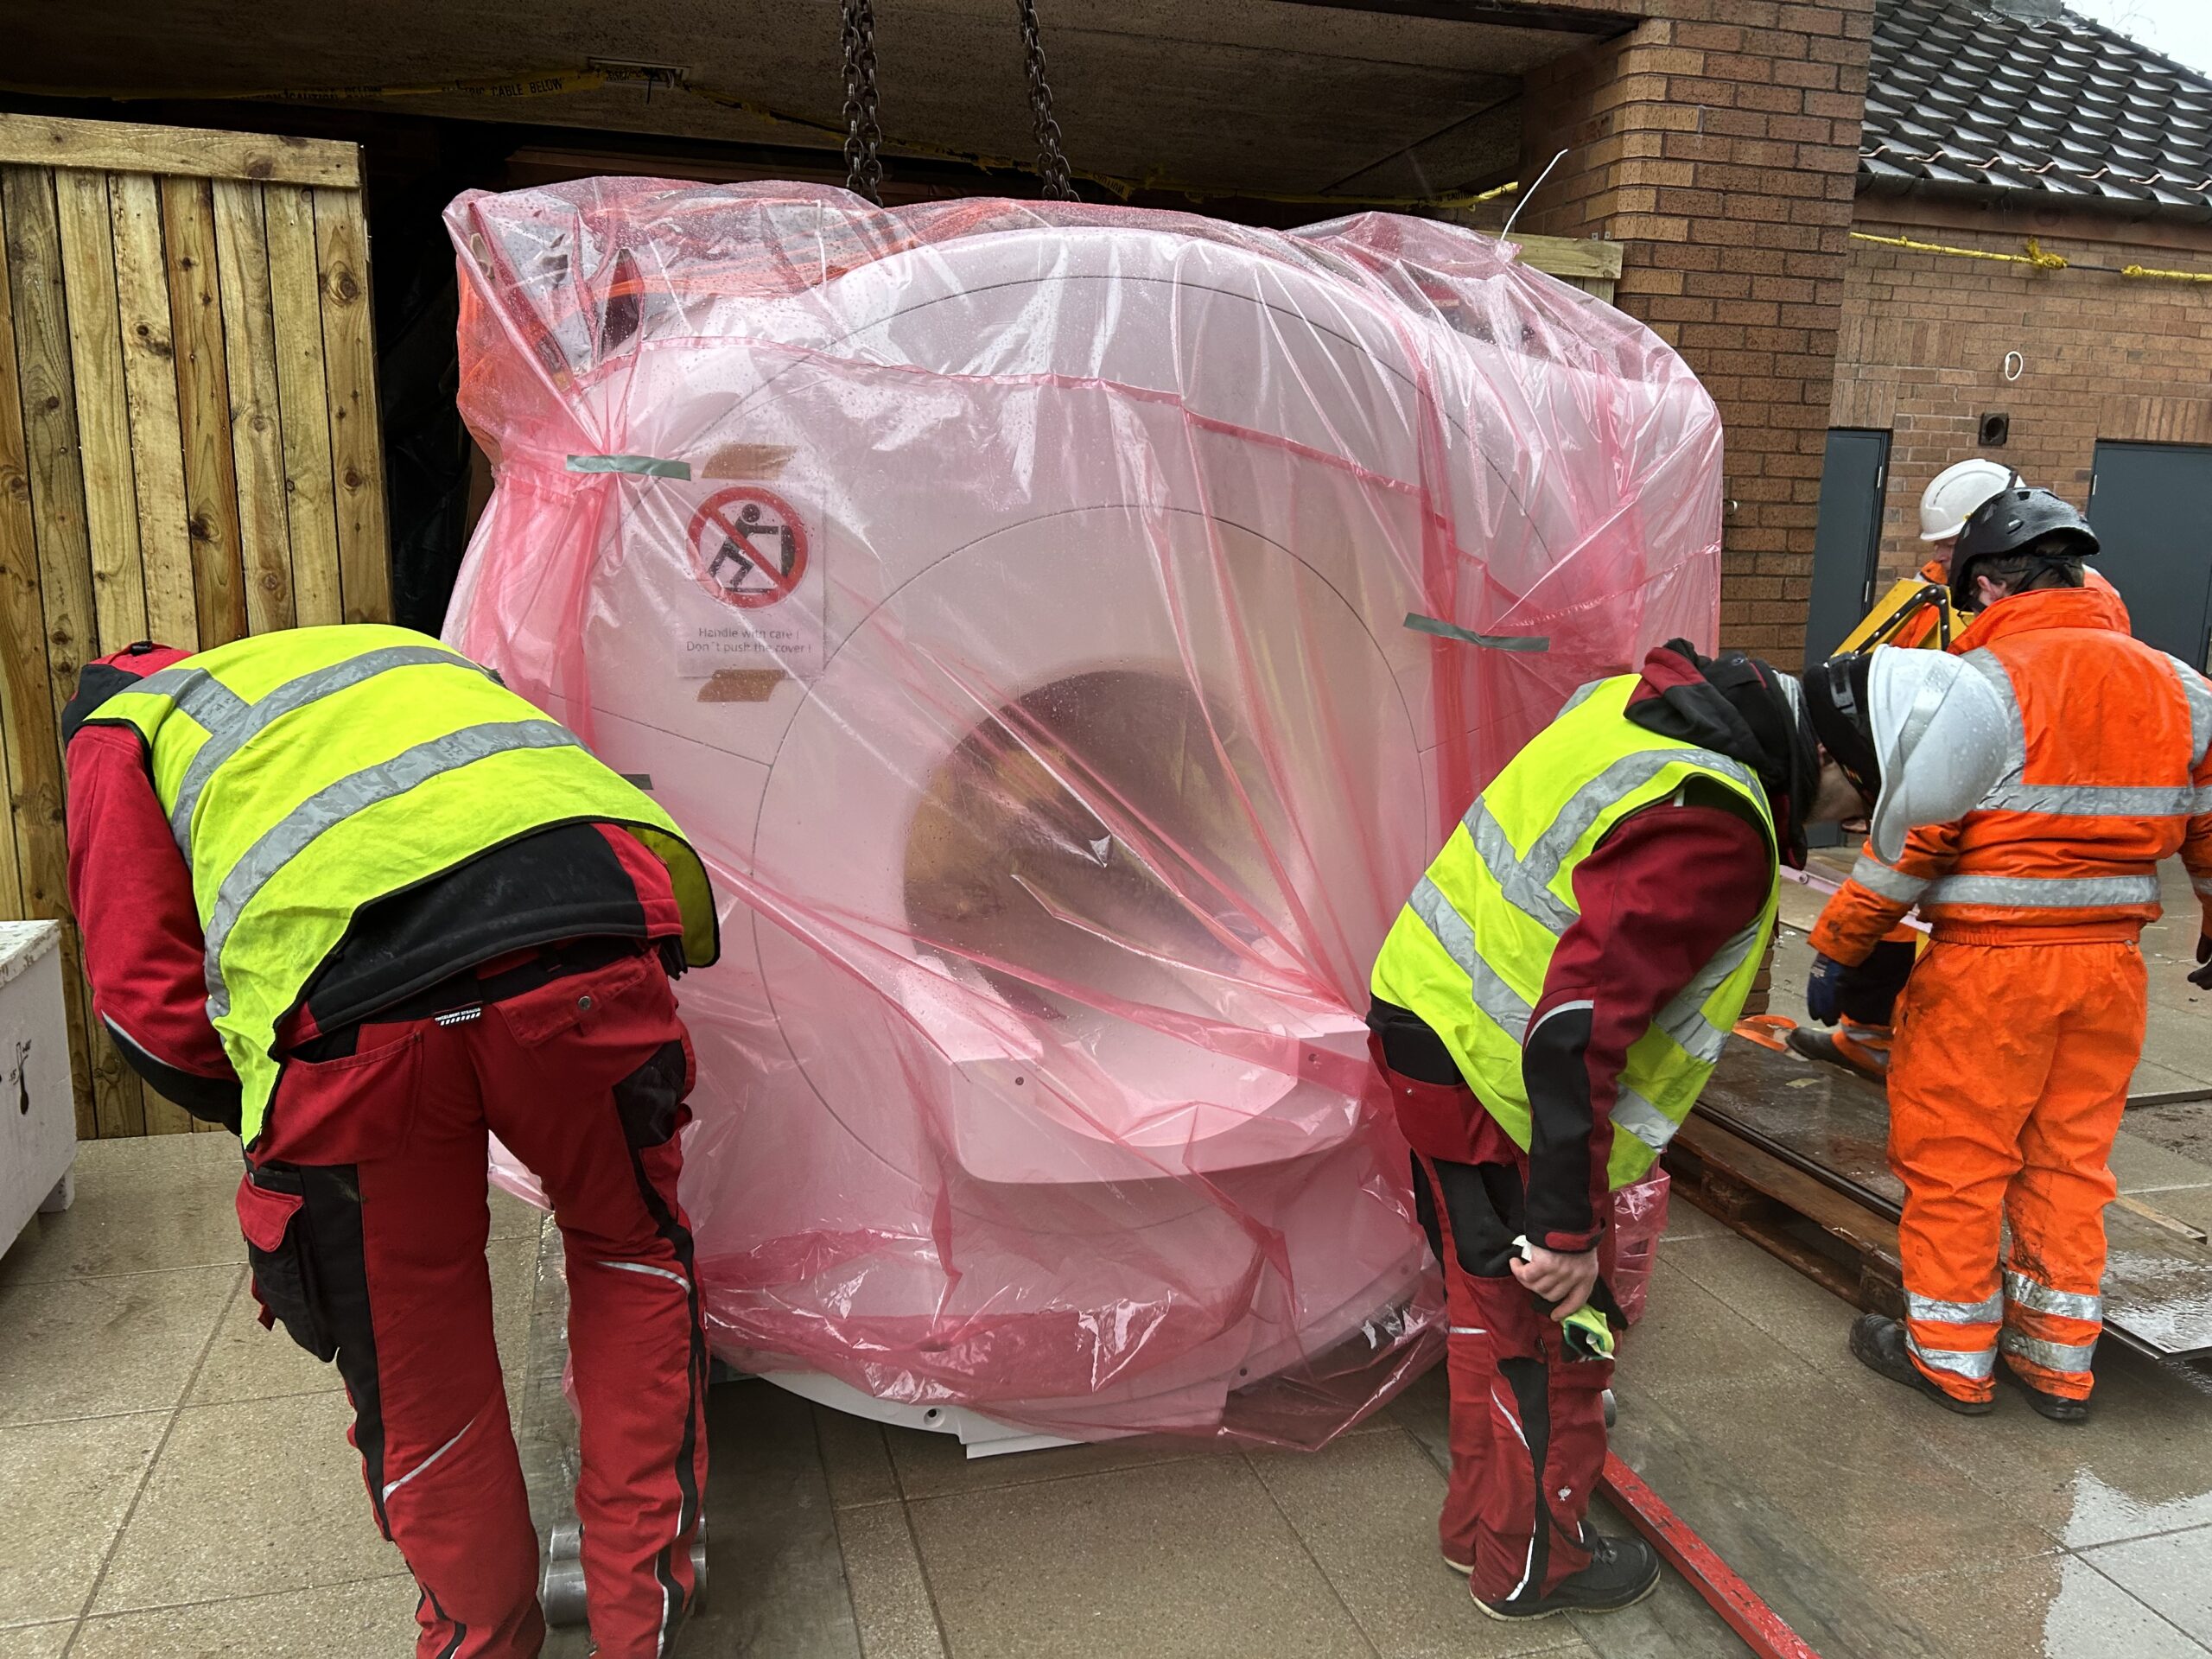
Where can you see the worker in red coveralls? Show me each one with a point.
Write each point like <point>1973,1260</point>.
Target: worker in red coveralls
<point>343,891</point>
<point>1545,1011</point>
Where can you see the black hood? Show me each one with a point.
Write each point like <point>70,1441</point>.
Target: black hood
<point>1743,709</point>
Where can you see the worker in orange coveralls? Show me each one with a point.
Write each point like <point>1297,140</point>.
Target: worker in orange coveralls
<point>1863,1034</point>
<point>2020,1028</point>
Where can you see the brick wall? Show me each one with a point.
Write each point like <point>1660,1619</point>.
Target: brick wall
<point>2104,356</point>
<point>1718,143</point>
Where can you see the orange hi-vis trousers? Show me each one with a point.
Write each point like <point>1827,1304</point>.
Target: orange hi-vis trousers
<point>2007,1082</point>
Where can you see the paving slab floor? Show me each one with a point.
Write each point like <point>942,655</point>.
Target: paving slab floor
<point>175,1481</point>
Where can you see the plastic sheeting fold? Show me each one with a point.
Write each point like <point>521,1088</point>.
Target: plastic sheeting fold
<point>1012,602</point>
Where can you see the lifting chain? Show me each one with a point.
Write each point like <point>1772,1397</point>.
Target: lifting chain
<point>1052,165</point>
<point>864,132</point>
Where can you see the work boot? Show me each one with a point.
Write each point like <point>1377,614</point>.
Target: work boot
<point>1863,1050</point>
<point>1622,1572</point>
<point>2059,1408</point>
<point>1879,1344</point>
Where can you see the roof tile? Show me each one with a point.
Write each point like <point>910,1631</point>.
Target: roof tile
<point>1965,95</point>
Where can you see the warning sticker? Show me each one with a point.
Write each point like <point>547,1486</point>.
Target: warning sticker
<point>750,550</point>
<point>748,547</point>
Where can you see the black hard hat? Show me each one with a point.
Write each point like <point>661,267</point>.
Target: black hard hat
<point>2012,521</point>
<point>1842,717</point>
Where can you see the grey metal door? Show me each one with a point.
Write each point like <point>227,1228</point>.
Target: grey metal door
<point>2151,504</point>
<point>1849,540</point>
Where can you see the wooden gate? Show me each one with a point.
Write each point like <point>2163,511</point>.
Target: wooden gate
<point>189,448</point>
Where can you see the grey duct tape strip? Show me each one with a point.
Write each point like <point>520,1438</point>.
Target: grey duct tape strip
<point>644,466</point>
<point>1443,630</point>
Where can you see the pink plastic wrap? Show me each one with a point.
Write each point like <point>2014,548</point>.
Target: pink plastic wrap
<point>1011,600</point>
<point>1639,1217</point>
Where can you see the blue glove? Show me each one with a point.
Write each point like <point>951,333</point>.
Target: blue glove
<point>1824,989</point>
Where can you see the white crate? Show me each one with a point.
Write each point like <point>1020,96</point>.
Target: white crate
<point>38,1112</point>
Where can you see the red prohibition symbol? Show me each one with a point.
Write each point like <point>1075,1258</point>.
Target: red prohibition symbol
<point>748,548</point>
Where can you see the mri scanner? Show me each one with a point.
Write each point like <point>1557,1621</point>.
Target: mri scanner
<point>1012,602</point>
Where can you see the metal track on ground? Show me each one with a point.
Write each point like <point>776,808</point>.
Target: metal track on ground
<point>1834,1128</point>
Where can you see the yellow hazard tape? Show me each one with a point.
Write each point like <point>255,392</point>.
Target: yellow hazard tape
<point>2035,255</point>
<point>2166,276</point>
<point>557,82</point>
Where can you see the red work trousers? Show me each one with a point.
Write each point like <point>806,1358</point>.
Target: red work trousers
<point>2006,1086</point>
<point>1527,1425</point>
<point>364,1211</point>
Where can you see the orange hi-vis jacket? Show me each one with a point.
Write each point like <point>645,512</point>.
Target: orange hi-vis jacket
<point>1921,629</point>
<point>2108,773</point>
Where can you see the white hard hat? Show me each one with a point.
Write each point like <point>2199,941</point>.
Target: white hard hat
<point>1946,504</point>
<point>1941,731</point>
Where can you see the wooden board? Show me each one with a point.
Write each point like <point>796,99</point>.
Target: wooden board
<point>350,359</point>
<point>257,430</point>
<point>1828,1133</point>
<point>131,147</point>
<point>1587,260</point>
<point>188,450</point>
<point>203,392</point>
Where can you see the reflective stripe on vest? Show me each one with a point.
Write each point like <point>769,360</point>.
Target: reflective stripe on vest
<point>1506,1006</point>
<point>1564,793</point>
<point>332,806</point>
<point>197,692</point>
<point>230,728</point>
<point>310,772</point>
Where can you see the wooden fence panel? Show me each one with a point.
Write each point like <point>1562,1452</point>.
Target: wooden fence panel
<point>188,450</point>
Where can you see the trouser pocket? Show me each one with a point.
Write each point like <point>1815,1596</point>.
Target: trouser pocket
<point>271,1199</point>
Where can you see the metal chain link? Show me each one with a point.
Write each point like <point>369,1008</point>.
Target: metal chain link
<point>863,133</point>
<point>1051,164</point>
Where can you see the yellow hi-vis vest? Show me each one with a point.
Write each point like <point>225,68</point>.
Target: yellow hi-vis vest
<point>1470,952</point>
<point>308,774</point>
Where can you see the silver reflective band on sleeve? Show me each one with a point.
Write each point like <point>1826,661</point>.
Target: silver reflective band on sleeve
<point>1643,1120</point>
<point>196,692</point>
<point>1976,1364</point>
<point>337,801</point>
<point>2199,693</point>
<point>1492,994</point>
<point>2092,800</point>
<point>227,735</point>
<point>2045,893</point>
<point>1987,1310</point>
<point>2066,1304</point>
<point>1985,662</point>
<point>2051,1356</point>
<point>2202,886</point>
<point>1880,879</point>
<point>1683,1020</point>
